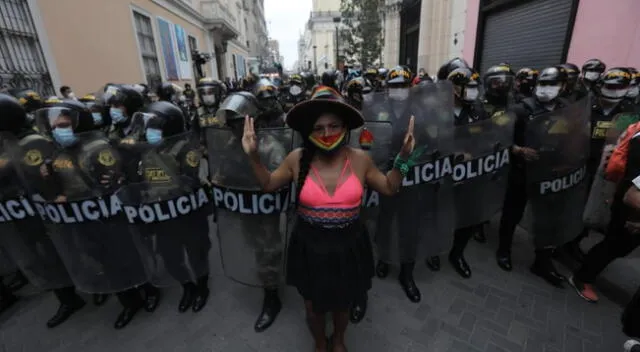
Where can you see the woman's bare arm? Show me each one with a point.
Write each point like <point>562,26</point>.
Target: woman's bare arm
<point>388,184</point>
<point>280,177</point>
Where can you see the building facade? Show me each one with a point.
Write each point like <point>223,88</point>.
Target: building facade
<point>123,41</point>
<point>317,46</point>
<point>540,33</point>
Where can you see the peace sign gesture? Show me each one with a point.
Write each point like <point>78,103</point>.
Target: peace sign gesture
<point>249,139</point>
<point>409,141</point>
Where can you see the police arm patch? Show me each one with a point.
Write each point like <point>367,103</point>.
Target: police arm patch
<point>192,158</point>
<point>106,158</point>
<point>33,157</point>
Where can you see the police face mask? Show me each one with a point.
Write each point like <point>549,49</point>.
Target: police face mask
<point>153,135</point>
<point>591,76</point>
<point>547,93</point>
<point>117,115</point>
<point>470,94</point>
<point>97,118</point>
<point>209,99</point>
<point>64,136</point>
<point>399,94</point>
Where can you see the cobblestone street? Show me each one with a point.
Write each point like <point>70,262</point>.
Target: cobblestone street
<point>492,311</point>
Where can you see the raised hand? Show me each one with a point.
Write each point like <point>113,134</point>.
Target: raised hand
<point>249,139</point>
<point>409,141</point>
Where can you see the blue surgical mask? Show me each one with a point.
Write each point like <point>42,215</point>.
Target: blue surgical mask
<point>153,135</point>
<point>97,118</point>
<point>117,115</point>
<point>64,136</point>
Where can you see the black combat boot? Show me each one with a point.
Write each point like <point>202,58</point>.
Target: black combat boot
<point>359,309</point>
<point>188,293</point>
<point>202,293</point>
<point>131,302</point>
<point>456,256</point>
<point>503,258</point>
<point>543,267</point>
<point>151,297</point>
<point>270,308</point>
<point>407,283</point>
<point>70,302</point>
<point>382,269</point>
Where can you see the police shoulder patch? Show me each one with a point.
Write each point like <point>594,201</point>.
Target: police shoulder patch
<point>500,118</point>
<point>192,159</point>
<point>33,157</point>
<point>106,158</point>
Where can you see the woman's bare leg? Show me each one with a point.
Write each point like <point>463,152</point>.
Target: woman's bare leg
<point>340,322</point>
<point>316,323</point>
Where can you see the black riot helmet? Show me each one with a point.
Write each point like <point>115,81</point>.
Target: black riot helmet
<point>265,89</point>
<point>28,98</point>
<point>449,66</point>
<point>551,83</point>
<point>145,91</point>
<point>210,91</point>
<point>159,120</point>
<point>498,82</point>
<point>309,79</point>
<point>356,88</point>
<point>98,111</point>
<point>465,84</point>
<point>84,118</point>
<point>88,100</point>
<point>13,116</point>
<point>383,73</point>
<point>330,79</point>
<point>573,72</point>
<point>63,120</point>
<point>166,91</point>
<point>123,101</point>
<point>371,74</point>
<point>399,77</point>
<point>634,87</point>
<point>592,69</point>
<point>525,81</point>
<point>236,106</point>
<point>614,84</point>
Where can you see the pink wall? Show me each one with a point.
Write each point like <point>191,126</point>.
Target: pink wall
<point>607,30</point>
<point>473,10</point>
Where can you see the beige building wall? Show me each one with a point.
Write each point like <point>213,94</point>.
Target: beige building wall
<point>391,52</point>
<point>99,44</point>
<point>325,5</point>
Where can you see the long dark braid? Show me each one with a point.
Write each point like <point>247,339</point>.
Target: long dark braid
<point>308,151</point>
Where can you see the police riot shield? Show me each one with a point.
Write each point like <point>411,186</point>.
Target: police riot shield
<point>82,214</point>
<point>24,236</point>
<point>557,180</point>
<point>251,224</point>
<point>7,266</point>
<point>597,211</point>
<point>481,167</point>
<point>418,221</point>
<point>168,209</point>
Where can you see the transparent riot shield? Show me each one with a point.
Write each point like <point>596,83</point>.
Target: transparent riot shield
<point>24,236</point>
<point>7,266</point>
<point>557,180</point>
<point>418,221</point>
<point>480,168</point>
<point>84,219</point>
<point>250,223</point>
<point>597,211</point>
<point>169,208</point>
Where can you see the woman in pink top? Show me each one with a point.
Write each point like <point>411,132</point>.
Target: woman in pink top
<point>330,260</point>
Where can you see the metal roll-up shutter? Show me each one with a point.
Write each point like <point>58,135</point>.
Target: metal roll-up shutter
<point>528,35</point>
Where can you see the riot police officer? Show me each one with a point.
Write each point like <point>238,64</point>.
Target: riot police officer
<point>572,91</point>
<point>609,104</point>
<point>449,66</point>
<point>633,95</point>
<point>331,78</point>
<point>468,109</point>
<point>591,71</point>
<point>185,254</point>
<point>210,94</point>
<point>294,92</point>
<point>100,115</point>
<point>122,101</point>
<point>309,82</point>
<point>29,99</point>
<point>356,89</point>
<point>525,81</point>
<point>383,72</point>
<point>547,97</point>
<point>25,237</point>
<point>395,109</point>
<point>271,112</point>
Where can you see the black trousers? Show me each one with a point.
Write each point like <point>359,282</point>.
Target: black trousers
<point>515,202</point>
<point>66,295</point>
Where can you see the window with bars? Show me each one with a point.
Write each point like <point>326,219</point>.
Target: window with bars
<point>147,46</point>
<point>22,62</point>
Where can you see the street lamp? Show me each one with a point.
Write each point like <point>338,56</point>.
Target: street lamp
<point>336,20</point>
<point>315,62</point>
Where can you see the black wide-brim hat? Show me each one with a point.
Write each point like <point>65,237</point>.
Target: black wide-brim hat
<point>324,100</point>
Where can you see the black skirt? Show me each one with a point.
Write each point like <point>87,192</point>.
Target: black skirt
<point>330,267</point>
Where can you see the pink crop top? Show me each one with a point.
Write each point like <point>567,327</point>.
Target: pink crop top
<point>317,206</point>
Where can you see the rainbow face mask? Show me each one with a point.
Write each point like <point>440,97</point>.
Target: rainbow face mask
<point>329,144</point>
